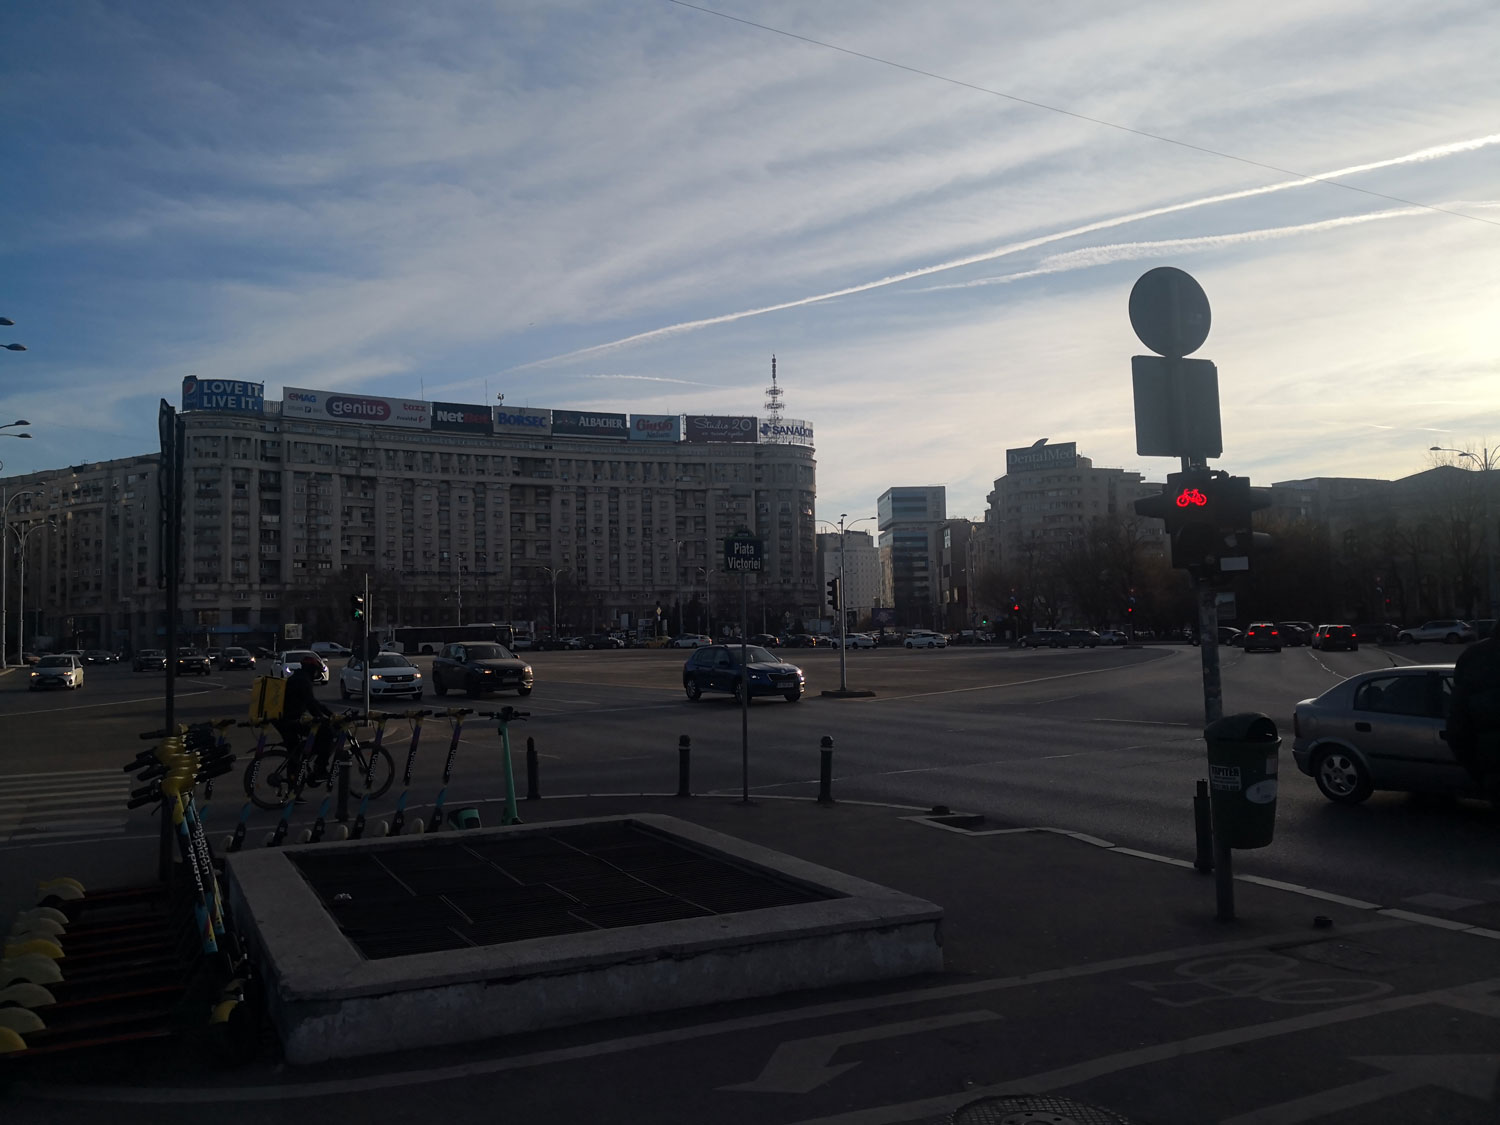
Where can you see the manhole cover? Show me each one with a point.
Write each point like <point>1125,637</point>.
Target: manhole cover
<point>1033,1109</point>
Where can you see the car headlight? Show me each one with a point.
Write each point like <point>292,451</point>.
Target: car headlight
<point>416,675</point>
<point>373,676</point>
<point>34,675</point>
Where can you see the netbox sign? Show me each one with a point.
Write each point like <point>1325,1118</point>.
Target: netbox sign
<point>461,418</point>
<point>411,414</point>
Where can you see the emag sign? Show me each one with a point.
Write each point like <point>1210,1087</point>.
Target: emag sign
<point>462,418</point>
<point>228,395</point>
<point>1035,458</point>
<point>583,423</point>
<point>656,427</point>
<point>720,427</point>
<point>411,414</point>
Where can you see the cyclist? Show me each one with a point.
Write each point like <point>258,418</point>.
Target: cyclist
<point>299,700</point>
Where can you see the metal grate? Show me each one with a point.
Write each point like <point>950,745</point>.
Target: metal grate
<point>391,901</point>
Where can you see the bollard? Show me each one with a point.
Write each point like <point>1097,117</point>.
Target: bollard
<point>1203,828</point>
<point>684,766</point>
<point>825,771</point>
<point>533,772</point>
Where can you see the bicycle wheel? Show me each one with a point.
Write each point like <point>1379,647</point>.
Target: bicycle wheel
<point>381,776</point>
<point>271,784</point>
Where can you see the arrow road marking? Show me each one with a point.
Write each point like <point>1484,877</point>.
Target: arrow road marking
<point>1474,1075</point>
<point>800,1066</point>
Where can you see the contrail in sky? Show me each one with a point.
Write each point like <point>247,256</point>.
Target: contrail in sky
<point>1436,152</point>
<point>1090,256</point>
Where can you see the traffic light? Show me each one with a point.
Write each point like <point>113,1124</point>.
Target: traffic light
<point>1207,515</point>
<point>356,607</point>
<point>834,598</point>
<point>1015,605</point>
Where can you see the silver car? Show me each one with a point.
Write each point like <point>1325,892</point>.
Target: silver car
<point>1451,632</point>
<point>1381,730</point>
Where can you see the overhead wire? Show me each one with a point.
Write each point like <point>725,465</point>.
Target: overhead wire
<point>1160,137</point>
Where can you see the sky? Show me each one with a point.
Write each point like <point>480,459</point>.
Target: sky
<point>932,214</point>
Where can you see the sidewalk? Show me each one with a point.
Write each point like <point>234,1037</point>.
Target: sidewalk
<point>1077,974</point>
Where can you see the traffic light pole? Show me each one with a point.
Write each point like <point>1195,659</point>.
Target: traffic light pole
<point>365,644</point>
<point>1208,643</point>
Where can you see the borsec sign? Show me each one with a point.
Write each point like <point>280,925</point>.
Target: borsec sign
<point>743,553</point>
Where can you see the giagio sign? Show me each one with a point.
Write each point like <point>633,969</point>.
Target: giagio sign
<point>404,412</point>
<point>656,427</point>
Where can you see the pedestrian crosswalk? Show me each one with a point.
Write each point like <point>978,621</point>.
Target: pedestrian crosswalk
<point>35,807</point>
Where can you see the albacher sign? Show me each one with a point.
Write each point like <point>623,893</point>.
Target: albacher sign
<point>462,418</point>
<point>720,427</point>
<point>229,395</point>
<point>788,431</point>
<point>656,427</point>
<point>412,414</point>
<point>580,423</point>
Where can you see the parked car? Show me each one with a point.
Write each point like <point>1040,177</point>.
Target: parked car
<point>288,661</point>
<point>30,658</point>
<point>477,667</point>
<point>717,668</point>
<point>1083,638</point>
<point>1262,637</point>
<point>803,640</point>
<point>98,656</point>
<point>1112,637</point>
<point>391,674</point>
<point>925,638</point>
<point>1330,637</point>
<point>1483,627</point>
<point>327,649</point>
<point>602,640</point>
<point>1449,631</point>
<point>191,662</point>
<point>690,640</point>
<point>1380,730</point>
<point>213,654</point>
<point>766,640</point>
<point>522,642</point>
<point>150,660</point>
<point>856,640</point>
<point>62,670</point>
<point>1044,638</point>
<point>236,658</point>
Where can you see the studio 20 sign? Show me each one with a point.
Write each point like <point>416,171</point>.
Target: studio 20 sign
<point>719,427</point>
<point>337,406</point>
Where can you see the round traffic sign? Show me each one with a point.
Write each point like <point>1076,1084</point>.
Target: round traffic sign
<point>1169,312</point>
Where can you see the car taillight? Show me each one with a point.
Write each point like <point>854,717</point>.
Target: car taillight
<point>1352,636</point>
<point>1274,633</point>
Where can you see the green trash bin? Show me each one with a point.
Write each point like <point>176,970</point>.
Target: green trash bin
<point>1242,764</point>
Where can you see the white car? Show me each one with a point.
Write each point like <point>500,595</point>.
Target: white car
<point>390,674</point>
<point>690,640</point>
<point>923,638</point>
<point>325,649</point>
<point>289,660</point>
<point>63,670</point>
<point>856,640</point>
<point>1449,632</point>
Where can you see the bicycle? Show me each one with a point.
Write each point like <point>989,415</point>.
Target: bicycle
<point>271,781</point>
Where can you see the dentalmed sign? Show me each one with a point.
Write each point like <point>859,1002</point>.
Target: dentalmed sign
<point>338,406</point>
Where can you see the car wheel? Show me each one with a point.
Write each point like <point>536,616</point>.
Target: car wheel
<point>910,645</point>
<point>1353,648</point>
<point>1341,777</point>
<point>1452,639</point>
<point>438,687</point>
<point>794,697</point>
<point>1406,639</point>
<point>692,690</point>
<point>343,691</point>
<point>523,691</point>
<point>739,691</point>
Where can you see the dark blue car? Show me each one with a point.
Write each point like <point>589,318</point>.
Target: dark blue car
<point>717,668</point>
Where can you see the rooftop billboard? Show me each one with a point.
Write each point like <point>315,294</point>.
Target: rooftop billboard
<point>462,418</point>
<point>656,427</point>
<point>786,431</point>
<point>1035,458</point>
<point>335,406</point>
<point>584,423</point>
<point>229,395</point>
<point>719,427</point>
<point>523,420</point>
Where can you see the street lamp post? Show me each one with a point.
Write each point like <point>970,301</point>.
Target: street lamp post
<point>5,504</point>
<point>1486,464</point>
<point>553,575</point>
<point>23,535</point>
<point>842,612</point>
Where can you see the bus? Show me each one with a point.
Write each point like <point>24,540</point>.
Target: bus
<point>428,639</point>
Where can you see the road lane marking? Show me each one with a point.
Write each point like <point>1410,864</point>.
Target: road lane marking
<point>1008,684</point>
<point>111,703</point>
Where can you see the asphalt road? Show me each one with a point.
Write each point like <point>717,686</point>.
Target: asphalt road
<point>1103,741</point>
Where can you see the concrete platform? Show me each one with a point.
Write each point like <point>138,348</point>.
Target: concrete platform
<point>329,1001</point>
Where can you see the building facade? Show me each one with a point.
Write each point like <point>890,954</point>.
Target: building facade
<point>861,570</point>
<point>495,518</point>
<point>909,519</point>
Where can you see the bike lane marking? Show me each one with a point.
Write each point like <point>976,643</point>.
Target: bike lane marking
<point>401,1079</point>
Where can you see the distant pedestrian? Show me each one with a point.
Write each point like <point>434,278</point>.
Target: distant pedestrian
<point>1474,718</point>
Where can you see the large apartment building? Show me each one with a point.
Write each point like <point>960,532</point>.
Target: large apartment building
<point>909,518</point>
<point>457,512</point>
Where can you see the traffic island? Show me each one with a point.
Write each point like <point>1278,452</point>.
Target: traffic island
<point>373,945</point>
<point>847,693</point>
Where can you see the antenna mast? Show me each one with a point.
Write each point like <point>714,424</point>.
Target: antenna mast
<point>773,399</point>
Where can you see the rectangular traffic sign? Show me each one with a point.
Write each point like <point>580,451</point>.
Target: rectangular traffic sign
<point>1176,407</point>
<point>743,553</point>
